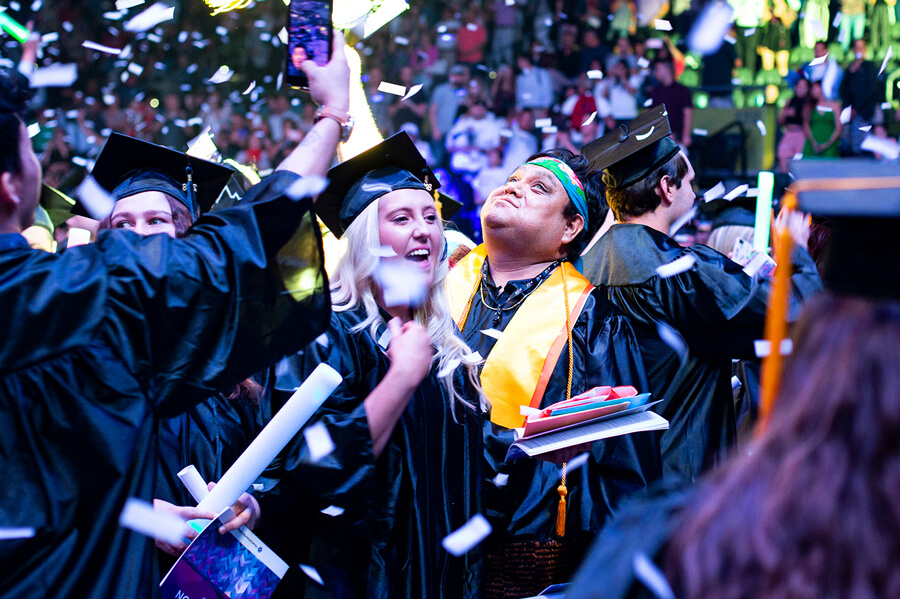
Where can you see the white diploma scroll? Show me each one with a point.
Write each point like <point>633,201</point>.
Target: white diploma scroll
<point>273,438</point>
<point>194,483</point>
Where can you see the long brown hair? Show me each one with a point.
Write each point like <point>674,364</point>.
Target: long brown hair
<point>811,510</point>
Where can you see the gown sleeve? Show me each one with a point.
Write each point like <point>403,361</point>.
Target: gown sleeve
<point>243,288</point>
<point>346,477</point>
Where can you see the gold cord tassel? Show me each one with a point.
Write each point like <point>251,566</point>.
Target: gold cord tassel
<point>561,508</point>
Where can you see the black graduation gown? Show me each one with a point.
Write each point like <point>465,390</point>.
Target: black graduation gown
<point>643,526</point>
<point>715,306</point>
<point>100,342</point>
<point>606,352</point>
<point>398,508</point>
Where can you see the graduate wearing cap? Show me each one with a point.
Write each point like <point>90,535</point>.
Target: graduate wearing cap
<point>406,421</point>
<point>212,434</point>
<point>811,509</point>
<point>517,287</point>
<point>713,305</point>
<point>101,341</point>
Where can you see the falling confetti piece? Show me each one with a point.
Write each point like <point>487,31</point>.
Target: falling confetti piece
<point>322,340</point>
<point>541,123</point>
<point>886,147</point>
<point>333,511</point>
<point>492,333</point>
<point>249,88</point>
<point>887,57</point>
<point>95,199</point>
<point>392,88</point>
<point>735,383</point>
<point>763,347</point>
<point>473,358</point>
<point>845,115</point>
<point>33,129</point>
<point>140,517</point>
<point>762,128</point>
<point>8,534</point>
<point>577,462</point>
<point>135,69</point>
<point>318,440</point>
<point>817,61</point>
<point>412,91</point>
<point>737,192</point>
<point>55,75</point>
<point>685,219</point>
<point>401,41</point>
<point>151,17</point>
<point>651,576</point>
<point>662,25</point>
<point>714,193</point>
<point>222,74</point>
<point>675,267</point>
<point>674,340</point>
<point>312,573</point>
<point>467,536</point>
<point>500,480</point>
<point>590,119</point>
<point>595,74</point>
<point>449,368</point>
<point>307,187</point>
<point>648,102</point>
<point>701,132</point>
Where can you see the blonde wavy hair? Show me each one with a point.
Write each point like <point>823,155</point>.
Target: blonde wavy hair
<point>354,283</point>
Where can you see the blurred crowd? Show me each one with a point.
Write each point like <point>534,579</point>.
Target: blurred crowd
<point>488,83</point>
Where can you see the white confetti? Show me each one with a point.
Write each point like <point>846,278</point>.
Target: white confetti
<point>529,411</point>
<point>866,128</point>
<point>322,340</point>
<point>730,40</point>
<point>392,88</point>
<point>885,105</point>
<point>467,536</point>
<point>412,91</point>
<point>643,62</point>
<point>648,102</point>
<point>33,129</point>
<point>845,115</point>
<point>136,69</point>
<point>709,29</point>
<point>753,192</point>
<point>307,187</point>
<point>126,4</point>
<point>595,74</point>
<point>886,147</point>
<point>651,576</point>
<point>449,368</point>
<point>715,193</point>
<point>222,74</point>
<point>492,333</point>
<point>737,192</point>
<point>541,123</point>
<point>662,25</point>
<point>101,48</point>
<point>735,383</point>
<point>95,199</point>
<point>55,75</point>
<point>590,119</point>
<point>402,284</point>
<point>333,511</point>
<point>550,129</point>
<point>383,251</point>
<point>654,43</point>
<point>318,440</point>
<point>824,108</point>
<point>701,132</point>
<point>578,461</point>
<point>749,32</point>
<point>674,340</point>
<point>249,88</point>
<point>763,347</point>
<point>471,26</point>
<point>140,517</point>
<point>762,127</point>
<point>8,534</point>
<point>68,26</point>
<point>401,41</point>
<point>817,61</point>
<point>500,480</point>
<point>49,38</point>
<point>675,267</point>
<point>312,573</point>
<point>837,20</point>
<point>150,17</point>
<point>473,358</point>
<point>283,36</point>
<point>887,57</point>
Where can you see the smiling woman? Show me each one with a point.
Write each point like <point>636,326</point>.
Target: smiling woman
<point>407,418</point>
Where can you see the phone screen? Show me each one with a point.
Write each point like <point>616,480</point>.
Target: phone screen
<point>309,38</point>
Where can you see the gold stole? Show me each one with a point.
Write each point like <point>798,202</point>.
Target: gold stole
<point>519,366</point>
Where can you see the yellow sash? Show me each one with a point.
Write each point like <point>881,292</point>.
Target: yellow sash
<point>519,366</point>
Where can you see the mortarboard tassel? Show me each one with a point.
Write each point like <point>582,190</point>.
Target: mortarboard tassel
<point>561,508</point>
<point>561,489</point>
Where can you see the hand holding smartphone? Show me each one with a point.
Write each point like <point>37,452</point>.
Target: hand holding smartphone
<point>309,38</point>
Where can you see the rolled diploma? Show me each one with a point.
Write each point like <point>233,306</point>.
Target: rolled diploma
<point>194,483</point>
<point>273,438</point>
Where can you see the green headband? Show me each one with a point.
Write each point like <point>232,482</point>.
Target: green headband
<point>569,181</point>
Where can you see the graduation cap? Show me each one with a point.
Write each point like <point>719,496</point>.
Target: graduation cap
<point>860,199</point>
<point>57,204</point>
<point>633,150</point>
<point>393,164</point>
<point>42,219</point>
<point>127,166</point>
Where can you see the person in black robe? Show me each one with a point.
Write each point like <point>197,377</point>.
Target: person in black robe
<point>142,179</point>
<point>406,421</point>
<point>103,340</point>
<point>532,226</point>
<point>712,304</point>
<point>809,510</point>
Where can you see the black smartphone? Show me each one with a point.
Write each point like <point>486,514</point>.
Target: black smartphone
<point>309,38</point>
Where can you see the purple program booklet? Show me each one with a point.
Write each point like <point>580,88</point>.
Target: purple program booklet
<point>230,566</point>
